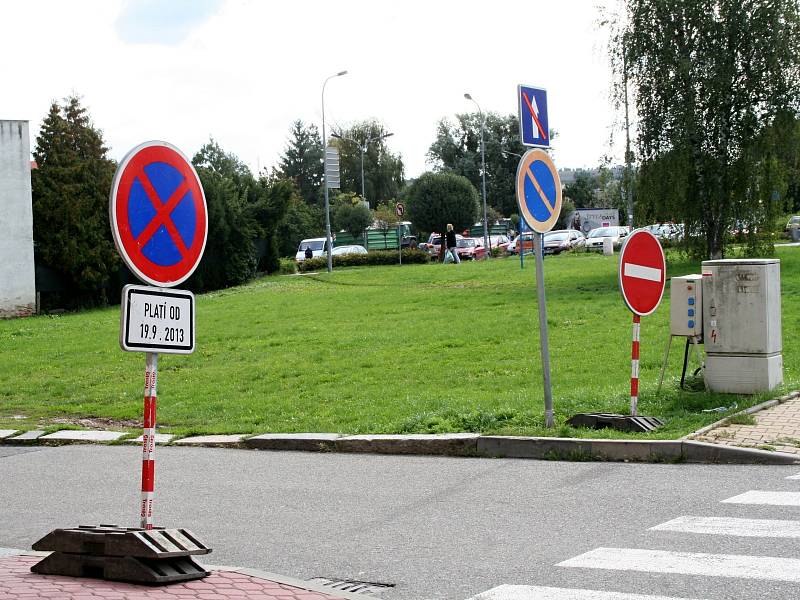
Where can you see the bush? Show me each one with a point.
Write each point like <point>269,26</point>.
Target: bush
<point>377,257</point>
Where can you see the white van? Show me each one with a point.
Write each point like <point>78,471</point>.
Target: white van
<point>317,246</point>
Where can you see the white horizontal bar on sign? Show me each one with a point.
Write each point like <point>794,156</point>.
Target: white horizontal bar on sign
<point>528,592</point>
<point>769,568</point>
<point>770,498</point>
<point>642,272</point>
<point>794,476</point>
<point>769,528</point>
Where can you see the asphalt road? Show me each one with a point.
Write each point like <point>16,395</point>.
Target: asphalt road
<point>434,527</point>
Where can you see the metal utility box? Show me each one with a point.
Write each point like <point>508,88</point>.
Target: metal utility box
<point>742,325</point>
<point>686,306</point>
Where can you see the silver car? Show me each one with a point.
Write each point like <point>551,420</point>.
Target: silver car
<point>596,236</point>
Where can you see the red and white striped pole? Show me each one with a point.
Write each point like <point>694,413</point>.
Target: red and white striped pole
<point>149,439</point>
<point>635,365</point>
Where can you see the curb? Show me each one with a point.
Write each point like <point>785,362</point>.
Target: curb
<point>748,411</point>
<point>489,446</point>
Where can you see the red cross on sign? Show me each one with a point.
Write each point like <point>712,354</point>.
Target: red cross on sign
<point>158,214</point>
<point>642,272</point>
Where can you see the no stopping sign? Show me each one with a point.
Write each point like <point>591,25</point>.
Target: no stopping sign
<point>158,214</point>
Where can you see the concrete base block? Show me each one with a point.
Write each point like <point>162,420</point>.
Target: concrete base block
<point>533,447</point>
<point>307,442</point>
<point>4,433</point>
<point>161,438</point>
<point>454,444</point>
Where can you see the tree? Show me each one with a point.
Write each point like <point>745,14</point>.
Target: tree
<point>70,188</point>
<point>436,199</point>
<point>716,83</point>
<point>383,171</point>
<point>301,221</point>
<point>385,219</point>
<point>457,149</point>
<point>351,215</point>
<point>301,162</point>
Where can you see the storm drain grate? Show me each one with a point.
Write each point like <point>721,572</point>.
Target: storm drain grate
<point>353,586</point>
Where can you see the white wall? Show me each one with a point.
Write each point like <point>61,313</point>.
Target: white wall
<point>17,278</point>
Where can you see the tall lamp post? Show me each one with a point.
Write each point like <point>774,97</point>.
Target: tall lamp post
<point>363,148</point>
<point>329,240</point>
<point>483,178</point>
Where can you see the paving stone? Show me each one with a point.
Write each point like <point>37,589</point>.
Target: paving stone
<point>161,438</point>
<point>27,437</point>
<point>83,435</point>
<point>212,440</point>
<point>309,442</point>
<point>4,433</point>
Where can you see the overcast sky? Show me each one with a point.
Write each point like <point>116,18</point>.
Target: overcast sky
<point>244,70</point>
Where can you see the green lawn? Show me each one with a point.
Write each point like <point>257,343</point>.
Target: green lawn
<point>424,348</point>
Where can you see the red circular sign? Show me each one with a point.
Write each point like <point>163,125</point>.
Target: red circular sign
<point>642,272</point>
<point>158,214</point>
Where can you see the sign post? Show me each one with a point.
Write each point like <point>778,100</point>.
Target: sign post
<point>399,210</point>
<point>159,222</point>
<point>642,277</point>
<point>539,200</point>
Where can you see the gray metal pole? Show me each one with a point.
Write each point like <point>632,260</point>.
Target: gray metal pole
<point>628,174</point>
<point>549,421</point>
<point>483,177</point>
<point>363,191</point>
<point>328,240</point>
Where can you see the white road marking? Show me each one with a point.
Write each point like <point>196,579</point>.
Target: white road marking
<point>689,563</point>
<point>794,476</point>
<point>771,498</point>
<point>529,592</point>
<point>770,528</point>
<point>642,272</point>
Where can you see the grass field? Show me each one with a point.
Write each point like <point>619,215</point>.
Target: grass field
<point>424,348</point>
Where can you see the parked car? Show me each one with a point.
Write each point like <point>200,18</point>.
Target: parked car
<point>556,242</point>
<point>666,231</point>
<point>317,246</point>
<point>470,249</point>
<point>353,249</point>
<point>596,237</point>
<point>498,241</point>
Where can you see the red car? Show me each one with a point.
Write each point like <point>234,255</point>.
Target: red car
<point>470,249</point>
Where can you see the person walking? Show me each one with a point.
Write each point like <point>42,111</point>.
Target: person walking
<point>451,243</point>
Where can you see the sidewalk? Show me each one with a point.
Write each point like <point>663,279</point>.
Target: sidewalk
<point>776,428</point>
<point>18,583</point>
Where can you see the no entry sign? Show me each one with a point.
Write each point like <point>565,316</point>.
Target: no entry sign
<point>642,272</point>
<point>158,214</point>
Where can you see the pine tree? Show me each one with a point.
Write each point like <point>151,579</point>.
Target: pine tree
<point>71,185</point>
<point>302,162</point>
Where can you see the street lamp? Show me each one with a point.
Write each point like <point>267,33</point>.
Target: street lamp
<point>483,178</point>
<point>329,241</point>
<point>363,148</point>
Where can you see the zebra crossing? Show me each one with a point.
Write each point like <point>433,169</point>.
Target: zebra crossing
<point>760,568</point>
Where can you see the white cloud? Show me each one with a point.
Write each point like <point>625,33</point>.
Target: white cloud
<point>244,72</point>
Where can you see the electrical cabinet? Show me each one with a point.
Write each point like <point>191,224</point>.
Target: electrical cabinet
<point>742,325</point>
<point>686,306</point>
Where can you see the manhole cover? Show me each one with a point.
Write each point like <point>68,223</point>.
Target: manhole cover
<point>353,586</point>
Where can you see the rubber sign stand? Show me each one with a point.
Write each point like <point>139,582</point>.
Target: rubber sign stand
<point>149,439</point>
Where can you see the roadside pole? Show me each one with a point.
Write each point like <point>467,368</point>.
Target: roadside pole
<point>544,341</point>
<point>149,439</point>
